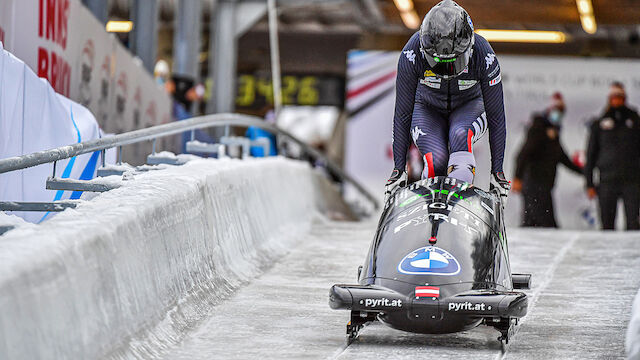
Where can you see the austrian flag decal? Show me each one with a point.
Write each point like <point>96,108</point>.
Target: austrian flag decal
<point>427,291</point>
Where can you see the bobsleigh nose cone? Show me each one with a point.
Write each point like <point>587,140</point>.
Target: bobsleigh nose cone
<point>340,298</point>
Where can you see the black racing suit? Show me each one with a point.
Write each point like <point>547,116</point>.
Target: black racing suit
<point>614,148</point>
<point>447,116</point>
<point>536,166</point>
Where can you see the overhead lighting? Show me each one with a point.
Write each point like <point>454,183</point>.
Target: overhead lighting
<point>589,24</point>
<point>119,26</point>
<point>408,13</point>
<point>587,19</point>
<point>584,7</point>
<point>410,19</point>
<point>404,5</point>
<point>528,36</point>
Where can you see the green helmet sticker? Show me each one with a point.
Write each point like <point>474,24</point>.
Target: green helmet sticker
<point>437,59</point>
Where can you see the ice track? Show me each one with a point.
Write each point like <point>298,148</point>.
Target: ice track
<point>580,301</point>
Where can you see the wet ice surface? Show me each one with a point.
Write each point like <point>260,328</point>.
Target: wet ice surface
<point>582,291</point>
<point>584,310</point>
<point>285,312</point>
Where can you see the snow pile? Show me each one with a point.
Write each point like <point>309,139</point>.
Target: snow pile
<point>632,342</point>
<point>11,220</point>
<point>123,275</point>
<point>169,157</point>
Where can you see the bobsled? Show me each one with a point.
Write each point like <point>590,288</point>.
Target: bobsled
<point>438,263</point>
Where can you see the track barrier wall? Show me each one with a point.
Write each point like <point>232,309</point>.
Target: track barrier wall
<point>123,275</point>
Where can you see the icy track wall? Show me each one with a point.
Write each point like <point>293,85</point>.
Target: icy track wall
<point>123,275</point>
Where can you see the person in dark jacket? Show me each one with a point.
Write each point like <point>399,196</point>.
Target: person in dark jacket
<point>537,163</point>
<point>614,149</point>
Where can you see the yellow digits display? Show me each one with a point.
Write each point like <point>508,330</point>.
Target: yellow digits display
<point>255,91</point>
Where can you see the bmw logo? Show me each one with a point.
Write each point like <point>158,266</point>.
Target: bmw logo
<point>429,260</point>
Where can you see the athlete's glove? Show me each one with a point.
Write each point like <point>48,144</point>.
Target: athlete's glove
<point>398,179</point>
<point>501,184</point>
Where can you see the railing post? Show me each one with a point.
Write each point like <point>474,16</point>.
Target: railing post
<point>120,155</point>
<point>153,147</point>
<point>54,168</point>
<point>103,153</point>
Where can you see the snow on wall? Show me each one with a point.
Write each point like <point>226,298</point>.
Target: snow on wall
<point>632,342</point>
<point>122,275</point>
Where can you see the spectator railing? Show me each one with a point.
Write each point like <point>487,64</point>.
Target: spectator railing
<point>155,132</point>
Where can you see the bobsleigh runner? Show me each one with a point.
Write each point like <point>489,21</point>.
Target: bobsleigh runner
<point>438,264</point>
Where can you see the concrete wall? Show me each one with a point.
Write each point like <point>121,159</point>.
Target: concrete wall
<point>124,274</point>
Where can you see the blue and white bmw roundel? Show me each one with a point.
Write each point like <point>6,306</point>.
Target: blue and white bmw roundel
<point>429,260</point>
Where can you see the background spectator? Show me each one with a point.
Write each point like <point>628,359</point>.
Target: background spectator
<point>614,149</point>
<point>537,163</point>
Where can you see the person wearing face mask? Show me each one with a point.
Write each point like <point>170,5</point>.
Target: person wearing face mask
<point>536,165</point>
<point>614,149</point>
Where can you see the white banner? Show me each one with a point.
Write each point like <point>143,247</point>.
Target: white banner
<point>34,118</point>
<point>63,42</point>
<point>528,85</point>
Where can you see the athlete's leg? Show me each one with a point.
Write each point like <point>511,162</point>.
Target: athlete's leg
<point>429,133</point>
<point>467,124</point>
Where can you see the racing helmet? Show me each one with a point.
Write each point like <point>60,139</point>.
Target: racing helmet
<point>446,39</point>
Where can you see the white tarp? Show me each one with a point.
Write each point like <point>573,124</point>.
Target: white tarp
<point>34,117</point>
<point>528,85</point>
<point>63,42</point>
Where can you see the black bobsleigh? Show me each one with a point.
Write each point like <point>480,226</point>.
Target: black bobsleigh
<point>438,264</point>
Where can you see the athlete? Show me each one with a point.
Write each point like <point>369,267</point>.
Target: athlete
<point>448,94</point>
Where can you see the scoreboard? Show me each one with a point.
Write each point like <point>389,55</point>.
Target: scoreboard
<point>255,91</point>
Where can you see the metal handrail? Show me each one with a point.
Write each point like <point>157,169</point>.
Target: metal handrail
<point>151,133</point>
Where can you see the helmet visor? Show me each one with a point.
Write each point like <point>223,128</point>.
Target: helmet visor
<point>448,67</point>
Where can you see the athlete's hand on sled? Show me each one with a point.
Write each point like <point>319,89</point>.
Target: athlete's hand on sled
<point>500,183</point>
<point>398,179</point>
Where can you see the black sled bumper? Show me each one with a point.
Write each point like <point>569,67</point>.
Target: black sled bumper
<point>477,303</point>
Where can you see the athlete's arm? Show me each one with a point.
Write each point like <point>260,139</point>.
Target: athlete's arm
<point>491,85</point>
<point>406,83</point>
